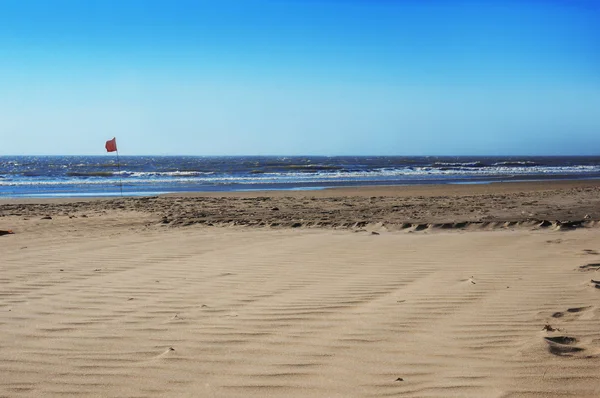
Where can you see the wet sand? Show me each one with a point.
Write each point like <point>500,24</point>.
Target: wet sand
<point>490,205</point>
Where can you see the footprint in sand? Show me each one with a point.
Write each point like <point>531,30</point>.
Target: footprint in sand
<point>568,346</point>
<point>592,267</point>
<point>589,267</point>
<point>596,283</point>
<point>573,310</point>
<point>562,345</point>
<point>578,309</point>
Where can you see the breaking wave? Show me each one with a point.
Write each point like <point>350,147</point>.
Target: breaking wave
<point>23,175</point>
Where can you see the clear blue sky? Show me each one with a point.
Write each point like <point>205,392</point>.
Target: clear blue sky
<point>323,77</point>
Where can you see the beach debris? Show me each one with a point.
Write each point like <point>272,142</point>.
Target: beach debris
<point>587,217</point>
<point>399,379</point>
<point>548,328</point>
<point>275,209</point>
<point>6,232</point>
<point>171,349</point>
<point>46,218</point>
<point>374,233</point>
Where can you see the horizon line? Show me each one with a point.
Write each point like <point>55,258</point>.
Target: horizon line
<point>300,156</point>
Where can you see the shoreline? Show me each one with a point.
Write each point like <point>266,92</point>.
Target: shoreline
<point>559,205</point>
<point>397,188</point>
<point>362,190</point>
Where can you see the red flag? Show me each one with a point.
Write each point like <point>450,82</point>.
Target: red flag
<point>111,145</point>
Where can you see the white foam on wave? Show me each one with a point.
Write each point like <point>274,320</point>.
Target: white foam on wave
<point>141,174</point>
<point>197,177</point>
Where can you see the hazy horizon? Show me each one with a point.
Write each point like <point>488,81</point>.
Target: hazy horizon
<point>300,78</point>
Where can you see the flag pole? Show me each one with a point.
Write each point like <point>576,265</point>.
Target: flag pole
<point>120,176</point>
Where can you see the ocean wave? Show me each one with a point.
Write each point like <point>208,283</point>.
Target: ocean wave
<point>290,177</point>
<point>90,174</point>
<point>312,167</point>
<point>308,168</point>
<point>458,164</point>
<point>114,165</point>
<point>177,173</point>
<point>40,175</point>
<point>516,163</point>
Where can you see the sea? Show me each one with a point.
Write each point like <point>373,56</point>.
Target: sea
<point>82,176</point>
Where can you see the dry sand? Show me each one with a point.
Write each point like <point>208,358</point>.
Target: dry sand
<point>123,303</point>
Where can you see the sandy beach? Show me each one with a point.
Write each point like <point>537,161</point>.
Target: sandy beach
<point>429,291</point>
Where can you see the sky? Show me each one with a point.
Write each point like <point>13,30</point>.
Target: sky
<point>300,77</point>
